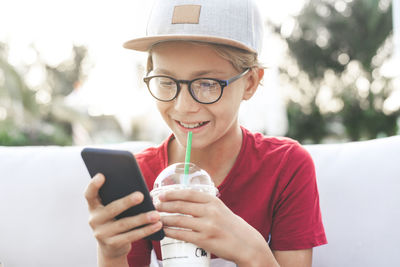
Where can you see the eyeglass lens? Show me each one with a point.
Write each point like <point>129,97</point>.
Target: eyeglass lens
<point>203,90</point>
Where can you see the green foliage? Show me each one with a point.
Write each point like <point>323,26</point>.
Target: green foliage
<point>364,119</point>
<point>49,135</point>
<point>26,118</point>
<point>302,124</point>
<point>338,47</point>
<point>324,33</point>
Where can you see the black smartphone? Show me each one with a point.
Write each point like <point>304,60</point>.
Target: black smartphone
<point>123,177</point>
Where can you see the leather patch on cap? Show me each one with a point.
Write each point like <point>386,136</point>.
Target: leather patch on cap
<point>186,14</point>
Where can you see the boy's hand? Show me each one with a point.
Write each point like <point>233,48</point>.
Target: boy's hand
<point>212,226</point>
<point>114,237</point>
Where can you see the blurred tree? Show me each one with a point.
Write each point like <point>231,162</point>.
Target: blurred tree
<point>336,90</point>
<point>38,115</point>
<point>331,33</point>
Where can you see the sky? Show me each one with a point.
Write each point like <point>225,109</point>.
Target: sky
<point>54,26</point>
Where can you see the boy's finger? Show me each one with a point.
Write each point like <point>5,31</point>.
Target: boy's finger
<point>137,234</point>
<point>128,223</point>
<point>118,206</point>
<point>92,191</point>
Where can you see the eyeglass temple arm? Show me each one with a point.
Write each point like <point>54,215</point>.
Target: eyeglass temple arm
<point>237,77</point>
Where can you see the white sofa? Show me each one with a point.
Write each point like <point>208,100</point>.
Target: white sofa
<point>43,214</point>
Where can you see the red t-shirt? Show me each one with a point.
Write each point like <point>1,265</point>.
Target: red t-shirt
<point>272,186</point>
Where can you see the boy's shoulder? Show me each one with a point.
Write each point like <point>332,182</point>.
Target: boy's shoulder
<point>266,146</point>
<point>156,152</point>
<point>152,161</point>
<point>148,153</point>
<point>261,139</point>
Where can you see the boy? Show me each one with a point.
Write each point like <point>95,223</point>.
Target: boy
<point>202,63</point>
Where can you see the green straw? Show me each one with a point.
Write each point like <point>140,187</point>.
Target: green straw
<point>187,156</point>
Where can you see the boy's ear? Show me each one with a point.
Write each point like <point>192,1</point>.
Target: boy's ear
<point>253,80</point>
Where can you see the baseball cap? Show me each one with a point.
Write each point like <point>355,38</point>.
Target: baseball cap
<point>236,23</point>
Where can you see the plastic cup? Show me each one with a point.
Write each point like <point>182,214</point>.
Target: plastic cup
<point>174,252</point>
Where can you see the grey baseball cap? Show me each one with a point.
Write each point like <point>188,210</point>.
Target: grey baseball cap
<point>236,23</point>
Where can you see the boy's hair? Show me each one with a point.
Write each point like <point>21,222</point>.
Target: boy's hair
<point>239,58</point>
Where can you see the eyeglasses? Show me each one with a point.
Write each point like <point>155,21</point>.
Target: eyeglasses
<point>203,90</point>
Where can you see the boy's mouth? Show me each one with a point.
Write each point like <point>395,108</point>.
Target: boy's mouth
<point>193,125</point>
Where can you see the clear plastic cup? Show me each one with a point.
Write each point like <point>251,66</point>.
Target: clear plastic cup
<point>174,252</point>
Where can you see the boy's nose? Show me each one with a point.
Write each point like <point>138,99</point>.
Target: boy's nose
<point>184,102</point>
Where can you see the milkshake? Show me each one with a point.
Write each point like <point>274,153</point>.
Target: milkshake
<point>174,252</point>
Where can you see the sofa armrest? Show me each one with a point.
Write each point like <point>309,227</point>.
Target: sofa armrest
<point>359,186</point>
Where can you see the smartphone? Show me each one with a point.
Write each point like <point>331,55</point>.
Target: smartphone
<point>123,177</point>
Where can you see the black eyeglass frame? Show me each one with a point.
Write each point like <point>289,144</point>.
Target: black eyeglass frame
<point>222,83</point>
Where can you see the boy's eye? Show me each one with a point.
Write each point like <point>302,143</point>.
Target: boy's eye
<point>165,82</point>
<point>207,84</point>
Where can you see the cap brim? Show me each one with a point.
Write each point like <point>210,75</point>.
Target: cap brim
<point>145,43</point>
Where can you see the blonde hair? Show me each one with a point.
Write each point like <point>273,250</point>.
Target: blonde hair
<point>239,58</point>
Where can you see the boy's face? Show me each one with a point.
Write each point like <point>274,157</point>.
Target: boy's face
<point>209,123</point>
